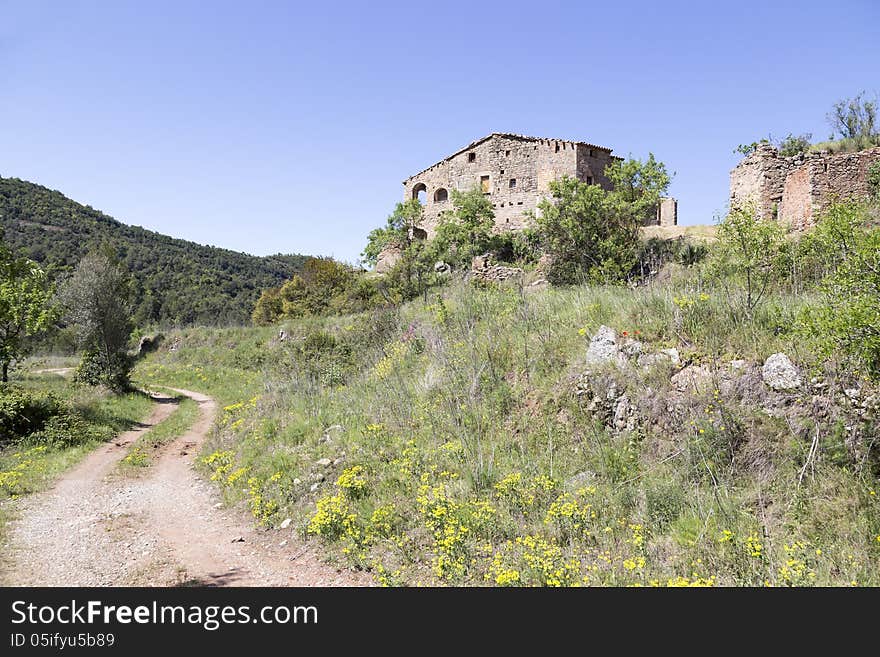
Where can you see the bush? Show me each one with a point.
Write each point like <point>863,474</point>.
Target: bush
<point>848,317</point>
<point>23,413</point>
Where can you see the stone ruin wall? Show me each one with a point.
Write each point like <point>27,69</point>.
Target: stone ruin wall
<point>797,189</point>
<point>667,212</point>
<point>758,180</point>
<point>532,164</point>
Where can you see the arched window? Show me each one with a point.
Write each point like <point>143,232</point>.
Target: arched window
<point>441,196</point>
<point>420,191</point>
<point>419,234</point>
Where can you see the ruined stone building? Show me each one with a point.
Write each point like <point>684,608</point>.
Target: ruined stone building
<point>515,173</point>
<point>797,189</point>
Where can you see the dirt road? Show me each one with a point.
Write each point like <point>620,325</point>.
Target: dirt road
<point>98,527</point>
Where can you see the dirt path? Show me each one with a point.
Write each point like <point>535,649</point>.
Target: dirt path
<point>96,527</point>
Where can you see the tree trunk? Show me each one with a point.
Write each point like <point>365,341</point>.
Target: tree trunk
<point>5,371</point>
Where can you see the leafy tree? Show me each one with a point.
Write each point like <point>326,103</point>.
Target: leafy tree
<point>400,229</point>
<point>748,252</point>
<point>855,118</point>
<point>848,317</point>
<point>97,303</point>
<point>25,306</point>
<point>323,287</point>
<point>466,230</point>
<point>592,234</point>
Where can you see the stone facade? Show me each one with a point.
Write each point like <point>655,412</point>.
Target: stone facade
<point>797,189</point>
<point>513,171</point>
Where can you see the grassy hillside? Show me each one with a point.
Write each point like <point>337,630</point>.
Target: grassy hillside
<point>467,440</point>
<point>179,282</point>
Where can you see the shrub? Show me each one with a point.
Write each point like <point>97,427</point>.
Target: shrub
<point>23,413</point>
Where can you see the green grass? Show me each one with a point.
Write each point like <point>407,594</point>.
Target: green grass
<point>465,457</point>
<point>140,453</point>
<point>28,466</point>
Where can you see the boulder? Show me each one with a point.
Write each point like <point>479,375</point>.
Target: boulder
<point>603,347</point>
<point>779,373</point>
<point>442,267</point>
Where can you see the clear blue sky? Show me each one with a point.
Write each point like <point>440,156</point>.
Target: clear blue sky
<point>288,127</point>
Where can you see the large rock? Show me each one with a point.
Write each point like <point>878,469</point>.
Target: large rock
<point>779,373</point>
<point>693,378</point>
<point>603,347</point>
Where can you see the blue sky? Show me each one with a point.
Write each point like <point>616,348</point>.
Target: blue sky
<point>288,127</point>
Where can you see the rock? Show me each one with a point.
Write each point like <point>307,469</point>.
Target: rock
<point>480,263</point>
<point>314,487</point>
<point>282,543</point>
<point>632,348</point>
<point>624,414</point>
<point>672,354</point>
<point>238,539</point>
<point>693,378</point>
<point>603,347</point>
<point>219,505</point>
<point>442,267</point>
<point>323,462</point>
<point>852,393</point>
<point>779,373</point>
<point>580,479</point>
<point>319,477</point>
<point>538,281</point>
<point>338,461</point>
<point>285,523</point>
<point>148,343</point>
<point>737,365</point>
<point>297,481</point>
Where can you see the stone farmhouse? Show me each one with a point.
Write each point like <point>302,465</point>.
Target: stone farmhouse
<point>796,189</point>
<point>515,172</point>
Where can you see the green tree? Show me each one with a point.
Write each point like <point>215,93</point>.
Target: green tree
<point>593,234</point>
<point>847,319</point>
<point>25,306</point>
<point>97,304</point>
<point>466,230</point>
<point>748,252</point>
<point>400,229</point>
<point>855,118</point>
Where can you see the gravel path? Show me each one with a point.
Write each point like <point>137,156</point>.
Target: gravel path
<point>96,527</point>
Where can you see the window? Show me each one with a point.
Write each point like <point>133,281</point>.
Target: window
<point>519,202</point>
<point>420,191</point>
<point>507,153</point>
<point>589,180</point>
<point>472,157</point>
<point>441,196</point>
<point>512,183</point>
<point>557,146</point>
<point>591,153</point>
<point>484,184</point>
<point>502,172</point>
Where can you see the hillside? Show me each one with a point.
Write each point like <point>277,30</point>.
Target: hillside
<point>494,437</point>
<point>179,282</point>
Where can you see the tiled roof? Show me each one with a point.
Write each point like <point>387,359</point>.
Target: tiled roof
<point>509,135</point>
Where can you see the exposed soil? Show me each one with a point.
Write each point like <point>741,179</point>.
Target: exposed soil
<point>99,527</point>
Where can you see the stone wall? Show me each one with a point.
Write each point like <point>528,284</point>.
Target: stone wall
<point>667,212</point>
<point>759,179</point>
<point>797,189</point>
<point>514,171</point>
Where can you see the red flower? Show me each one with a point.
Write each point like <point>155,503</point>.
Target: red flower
<point>625,333</point>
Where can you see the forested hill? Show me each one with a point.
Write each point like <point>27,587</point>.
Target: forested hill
<point>178,282</point>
